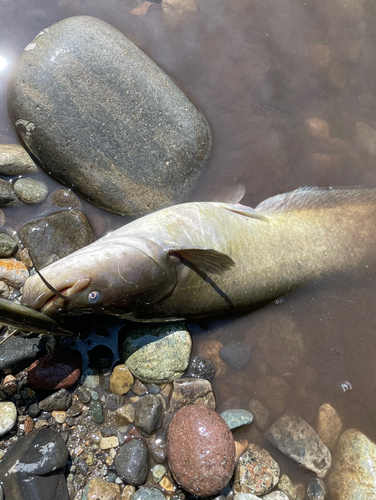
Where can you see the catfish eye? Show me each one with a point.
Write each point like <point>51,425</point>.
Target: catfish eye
<point>93,297</point>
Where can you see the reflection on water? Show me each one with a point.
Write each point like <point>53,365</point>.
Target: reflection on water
<point>288,88</point>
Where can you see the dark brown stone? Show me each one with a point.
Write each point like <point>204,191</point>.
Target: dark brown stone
<point>200,450</point>
<point>57,370</point>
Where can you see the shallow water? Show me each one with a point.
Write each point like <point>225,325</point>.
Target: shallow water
<point>260,70</point>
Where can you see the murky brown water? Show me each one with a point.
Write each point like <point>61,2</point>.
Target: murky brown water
<point>261,71</point>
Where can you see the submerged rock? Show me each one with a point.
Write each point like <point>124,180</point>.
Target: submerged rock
<point>353,473</point>
<point>294,437</point>
<point>55,236</point>
<point>200,450</point>
<point>104,119</point>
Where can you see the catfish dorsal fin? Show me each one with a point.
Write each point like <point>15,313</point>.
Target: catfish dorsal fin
<point>247,211</point>
<point>208,260</point>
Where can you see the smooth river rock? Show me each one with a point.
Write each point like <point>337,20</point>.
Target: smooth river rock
<point>105,120</point>
<point>55,236</point>
<point>200,450</point>
<point>353,473</point>
<point>160,352</point>
<point>294,437</point>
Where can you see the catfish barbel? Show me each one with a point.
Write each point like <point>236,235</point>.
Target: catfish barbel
<point>208,259</point>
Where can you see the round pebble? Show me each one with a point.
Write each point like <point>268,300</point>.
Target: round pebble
<point>99,488</point>
<point>131,462</point>
<point>200,450</point>
<point>121,380</point>
<point>8,417</point>
<point>30,191</point>
<point>235,354</point>
<point>57,370</point>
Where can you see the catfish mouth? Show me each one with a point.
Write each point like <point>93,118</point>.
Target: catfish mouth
<point>46,301</point>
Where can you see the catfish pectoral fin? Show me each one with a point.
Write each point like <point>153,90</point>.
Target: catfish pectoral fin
<point>207,260</point>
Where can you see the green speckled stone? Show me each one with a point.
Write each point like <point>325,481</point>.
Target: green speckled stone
<point>237,418</point>
<point>148,494</point>
<point>96,411</point>
<point>165,355</point>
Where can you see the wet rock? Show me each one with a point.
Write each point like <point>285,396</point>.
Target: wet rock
<point>279,339</point>
<point>139,388</point>
<point>106,443</point>
<point>148,494</point>
<point>286,486</point>
<point>4,290</point>
<point>14,160</point>
<point>60,400</point>
<point>7,195</point>
<point>117,109</point>
<point>200,450</point>
<point>317,127</point>
<point>294,437</point>
<point>100,358</point>
<point>18,352</point>
<point>275,392</point>
<point>99,488</point>
<point>59,416</point>
<point>260,414</point>
<point>65,198</point>
<point>125,414</point>
<point>188,391</point>
<point>53,237</point>
<point>244,496</point>
<point>30,191</point>
<point>149,414</point>
<point>8,416</point>
<point>57,370</point>
<point>210,349</point>
<point>257,472</point>
<point>158,447</point>
<point>131,462</point>
<point>236,354</point>
<point>240,447</point>
<point>353,473</point>
<point>164,355</point>
<point>114,401</point>
<point>83,394</point>
<point>13,272</point>
<point>329,425</point>
<point>96,412</point>
<point>90,379</point>
<point>276,495</point>
<point>236,417</point>
<point>316,489</point>
<point>8,246</point>
<point>29,468</point>
<point>158,472</point>
<point>201,368</point>
<point>121,380</point>
<point>10,384</point>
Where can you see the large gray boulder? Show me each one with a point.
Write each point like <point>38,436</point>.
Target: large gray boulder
<point>101,117</point>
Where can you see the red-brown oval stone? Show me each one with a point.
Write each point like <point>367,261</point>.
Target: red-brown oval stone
<point>200,450</point>
<point>57,370</point>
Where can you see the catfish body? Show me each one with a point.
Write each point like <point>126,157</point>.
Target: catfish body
<point>206,259</point>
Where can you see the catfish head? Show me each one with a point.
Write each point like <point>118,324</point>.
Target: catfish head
<point>111,276</point>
